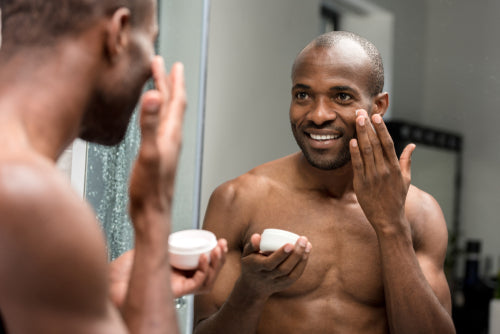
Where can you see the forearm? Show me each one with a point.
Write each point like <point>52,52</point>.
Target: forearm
<point>149,306</point>
<point>412,306</point>
<point>239,314</point>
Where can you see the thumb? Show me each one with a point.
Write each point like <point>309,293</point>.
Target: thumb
<point>252,246</point>
<point>405,162</point>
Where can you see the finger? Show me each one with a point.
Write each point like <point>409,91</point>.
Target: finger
<point>378,153</point>
<point>365,146</point>
<point>405,162</point>
<point>300,253</point>
<point>252,246</point>
<point>159,76</point>
<point>177,94</point>
<point>296,272</point>
<point>172,114</point>
<point>218,258</point>
<point>149,119</point>
<point>286,257</point>
<point>223,244</point>
<point>385,138</point>
<point>191,285</point>
<point>217,261</point>
<point>201,274</point>
<point>356,160</point>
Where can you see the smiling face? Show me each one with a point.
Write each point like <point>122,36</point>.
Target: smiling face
<point>329,85</point>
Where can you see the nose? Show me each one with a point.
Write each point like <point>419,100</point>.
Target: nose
<point>322,112</point>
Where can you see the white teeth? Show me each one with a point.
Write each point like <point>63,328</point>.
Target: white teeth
<point>323,137</point>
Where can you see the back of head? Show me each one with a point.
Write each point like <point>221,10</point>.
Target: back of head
<point>42,23</point>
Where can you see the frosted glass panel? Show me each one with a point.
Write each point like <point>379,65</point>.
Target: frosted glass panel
<point>108,170</point>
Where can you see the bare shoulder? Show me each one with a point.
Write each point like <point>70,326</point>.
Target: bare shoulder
<point>53,253</point>
<point>427,221</point>
<point>233,203</point>
<point>430,240</point>
<point>32,189</point>
<point>258,180</point>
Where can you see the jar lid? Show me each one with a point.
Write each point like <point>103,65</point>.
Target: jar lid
<point>191,241</point>
<point>280,233</point>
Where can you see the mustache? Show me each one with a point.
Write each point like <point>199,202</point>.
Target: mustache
<point>324,126</point>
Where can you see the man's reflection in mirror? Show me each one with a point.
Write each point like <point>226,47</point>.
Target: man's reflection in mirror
<point>372,246</point>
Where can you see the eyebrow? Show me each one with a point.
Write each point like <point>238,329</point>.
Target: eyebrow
<point>343,88</point>
<point>334,88</point>
<point>301,86</point>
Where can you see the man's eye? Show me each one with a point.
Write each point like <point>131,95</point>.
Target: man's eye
<point>301,95</point>
<point>344,97</point>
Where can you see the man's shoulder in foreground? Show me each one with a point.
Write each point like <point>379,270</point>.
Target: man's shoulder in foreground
<point>45,228</point>
<point>31,184</point>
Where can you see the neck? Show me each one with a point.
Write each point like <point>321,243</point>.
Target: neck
<point>43,96</point>
<point>335,183</point>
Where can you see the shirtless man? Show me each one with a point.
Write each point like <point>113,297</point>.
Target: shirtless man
<point>70,69</point>
<point>372,261</point>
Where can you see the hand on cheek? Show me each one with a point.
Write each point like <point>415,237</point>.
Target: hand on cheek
<point>380,180</point>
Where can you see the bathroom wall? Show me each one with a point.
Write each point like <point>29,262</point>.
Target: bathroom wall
<point>445,75</point>
<point>251,50</point>
<point>462,93</point>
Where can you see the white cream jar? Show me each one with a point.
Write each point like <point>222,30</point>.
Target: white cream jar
<point>273,239</point>
<point>185,248</point>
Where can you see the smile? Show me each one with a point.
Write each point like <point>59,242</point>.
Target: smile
<point>323,137</point>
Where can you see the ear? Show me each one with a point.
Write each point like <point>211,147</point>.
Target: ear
<point>380,103</point>
<point>117,33</point>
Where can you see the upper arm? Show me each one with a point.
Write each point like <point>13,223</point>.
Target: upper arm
<point>430,236</point>
<point>53,265</point>
<point>227,217</point>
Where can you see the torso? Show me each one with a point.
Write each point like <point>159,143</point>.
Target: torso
<point>341,289</point>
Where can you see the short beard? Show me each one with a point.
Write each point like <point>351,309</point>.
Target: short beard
<point>341,160</point>
<point>316,160</point>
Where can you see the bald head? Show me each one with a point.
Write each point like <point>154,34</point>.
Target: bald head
<point>334,39</point>
<point>27,23</point>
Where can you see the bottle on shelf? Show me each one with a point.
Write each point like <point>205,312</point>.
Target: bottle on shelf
<point>494,314</point>
<point>472,316</point>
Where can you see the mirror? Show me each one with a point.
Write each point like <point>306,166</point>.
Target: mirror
<point>443,72</point>
<point>442,66</point>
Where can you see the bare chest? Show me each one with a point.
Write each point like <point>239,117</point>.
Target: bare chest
<point>344,263</point>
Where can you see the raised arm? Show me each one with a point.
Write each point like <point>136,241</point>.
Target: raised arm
<point>214,312</point>
<point>412,242</point>
<point>53,266</point>
<point>148,306</point>
<point>248,278</point>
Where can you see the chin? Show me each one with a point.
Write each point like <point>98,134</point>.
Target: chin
<point>107,123</point>
<point>328,164</point>
<point>104,135</point>
<point>105,140</point>
<point>325,160</point>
